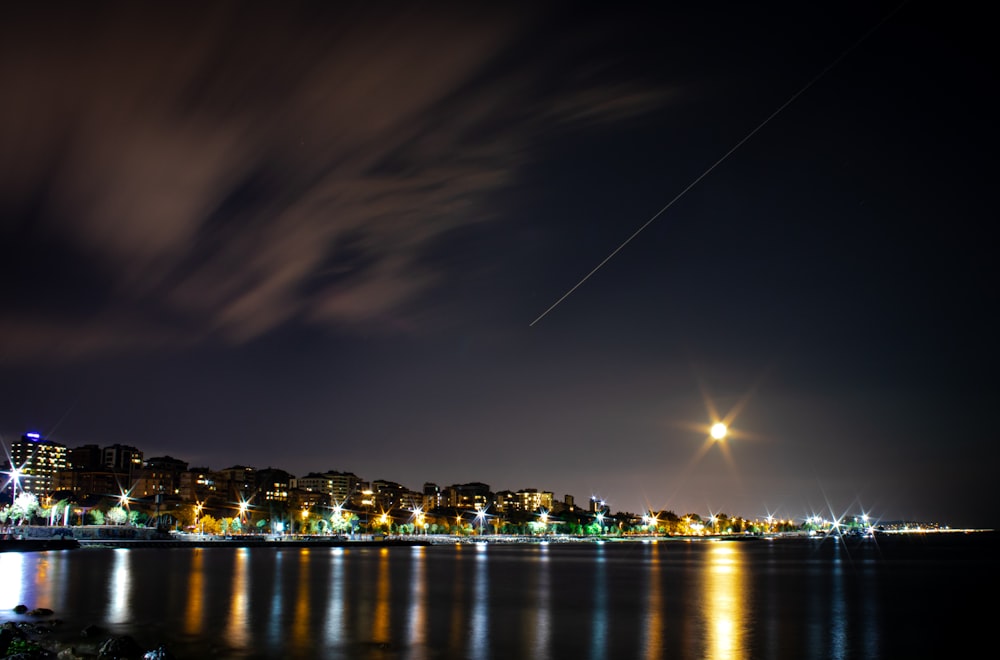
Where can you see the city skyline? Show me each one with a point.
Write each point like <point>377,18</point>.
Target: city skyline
<point>334,235</point>
<point>33,471</point>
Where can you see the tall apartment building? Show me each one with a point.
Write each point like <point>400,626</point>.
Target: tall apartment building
<point>159,476</point>
<point>313,483</point>
<point>338,486</point>
<point>37,461</point>
<point>532,499</point>
<point>432,498</point>
<point>567,504</point>
<point>342,486</point>
<point>272,485</point>
<point>505,501</point>
<point>122,459</point>
<point>197,484</point>
<point>237,483</point>
<point>391,495</point>
<point>94,470</point>
<point>85,457</point>
<point>473,495</point>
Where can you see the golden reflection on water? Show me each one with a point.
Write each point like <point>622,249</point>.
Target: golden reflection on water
<point>654,606</point>
<point>725,601</point>
<point>237,632</point>
<point>195,596</point>
<point>300,621</point>
<point>380,624</point>
<point>43,584</point>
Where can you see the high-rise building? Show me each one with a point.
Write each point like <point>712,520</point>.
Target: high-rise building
<point>122,459</point>
<point>159,476</point>
<point>474,495</point>
<point>236,483</point>
<point>432,498</point>
<point>598,505</point>
<point>85,457</point>
<point>567,504</point>
<point>532,499</point>
<point>37,461</point>
<point>313,482</point>
<point>342,486</point>
<point>390,495</point>
<point>197,484</point>
<point>505,501</point>
<point>272,485</point>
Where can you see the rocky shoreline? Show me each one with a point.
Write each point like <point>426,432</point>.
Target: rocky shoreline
<point>43,638</point>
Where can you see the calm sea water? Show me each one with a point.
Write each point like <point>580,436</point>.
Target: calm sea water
<point>759,599</point>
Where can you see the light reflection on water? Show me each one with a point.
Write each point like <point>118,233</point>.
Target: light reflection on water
<point>723,600</point>
<point>337,604</point>
<point>415,633</point>
<point>195,595</point>
<point>120,587</point>
<point>300,619</point>
<point>383,610</point>
<point>479,619</point>
<point>457,606</point>
<point>540,620</point>
<point>12,577</point>
<point>725,604</point>
<point>838,609</point>
<point>599,625</point>
<point>653,630</point>
<point>237,632</point>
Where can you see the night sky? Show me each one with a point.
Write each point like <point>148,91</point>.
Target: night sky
<point>315,237</point>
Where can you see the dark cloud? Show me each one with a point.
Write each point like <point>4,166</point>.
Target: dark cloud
<point>212,163</point>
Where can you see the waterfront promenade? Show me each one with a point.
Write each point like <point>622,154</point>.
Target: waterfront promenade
<point>34,539</point>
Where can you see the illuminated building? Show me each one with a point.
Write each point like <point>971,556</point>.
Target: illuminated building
<point>159,476</point>
<point>38,460</point>
<point>598,505</point>
<point>86,457</point>
<point>532,499</point>
<point>236,483</point>
<point>389,495</point>
<point>432,498</point>
<point>338,485</point>
<point>197,484</point>
<point>122,459</point>
<point>567,504</point>
<point>474,495</point>
<point>273,485</point>
<point>505,501</point>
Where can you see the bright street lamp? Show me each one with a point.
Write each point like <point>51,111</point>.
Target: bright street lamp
<point>15,477</point>
<point>243,511</point>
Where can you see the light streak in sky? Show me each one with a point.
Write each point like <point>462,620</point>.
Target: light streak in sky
<point>721,160</point>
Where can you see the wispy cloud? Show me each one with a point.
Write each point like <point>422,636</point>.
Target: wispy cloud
<point>234,170</point>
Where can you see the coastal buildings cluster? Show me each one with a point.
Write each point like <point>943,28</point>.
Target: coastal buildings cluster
<point>88,475</point>
<point>91,478</point>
